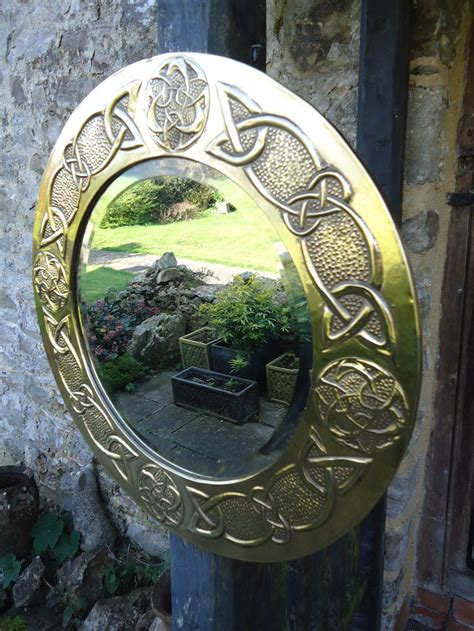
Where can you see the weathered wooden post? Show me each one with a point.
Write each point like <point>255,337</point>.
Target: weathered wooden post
<point>341,586</point>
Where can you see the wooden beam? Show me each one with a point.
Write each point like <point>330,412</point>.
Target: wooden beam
<point>231,28</point>
<point>339,587</point>
<point>381,126</point>
<point>383,93</point>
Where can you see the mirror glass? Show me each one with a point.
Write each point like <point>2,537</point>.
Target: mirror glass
<point>195,318</point>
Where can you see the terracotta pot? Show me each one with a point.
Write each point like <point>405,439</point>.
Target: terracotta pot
<point>161,600</point>
<point>19,507</point>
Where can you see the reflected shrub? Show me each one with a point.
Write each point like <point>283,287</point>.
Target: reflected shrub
<point>110,324</point>
<point>121,373</point>
<point>160,200</point>
<point>249,313</point>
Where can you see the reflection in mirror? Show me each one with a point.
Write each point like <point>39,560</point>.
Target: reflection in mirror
<point>195,318</point>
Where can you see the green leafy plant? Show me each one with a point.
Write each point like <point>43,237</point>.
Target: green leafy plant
<point>150,573</point>
<point>74,607</point>
<point>55,535</point>
<point>237,363</point>
<point>160,200</point>
<point>232,385</point>
<point>18,623</point>
<point>121,373</point>
<point>122,576</point>
<point>67,546</point>
<point>248,314</point>
<point>10,569</point>
<point>119,575</point>
<point>46,532</point>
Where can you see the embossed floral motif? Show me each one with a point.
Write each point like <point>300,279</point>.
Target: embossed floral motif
<point>50,281</point>
<point>179,102</point>
<point>160,495</point>
<point>362,404</point>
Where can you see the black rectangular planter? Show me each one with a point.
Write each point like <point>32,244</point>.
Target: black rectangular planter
<point>190,393</point>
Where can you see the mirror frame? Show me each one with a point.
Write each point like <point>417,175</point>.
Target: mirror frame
<point>366,369</point>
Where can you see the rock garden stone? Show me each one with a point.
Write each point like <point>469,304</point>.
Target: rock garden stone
<point>28,588</point>
<point>145,621</point>
<point>169,274</point>
<point>155,341</point>
<point>88,514</point>
<point>82,576</point>
<point>160,625</point>
<point>121,613</point>
<point>207,293</point>
<point>167,260</point>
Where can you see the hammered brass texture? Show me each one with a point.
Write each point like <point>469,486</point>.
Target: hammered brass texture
<point>365,324</point>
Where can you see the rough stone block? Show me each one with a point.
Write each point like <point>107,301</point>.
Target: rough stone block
<point>28,588</point>
<point>420,233</point>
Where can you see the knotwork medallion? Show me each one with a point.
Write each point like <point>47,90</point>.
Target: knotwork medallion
<point>361,384</point>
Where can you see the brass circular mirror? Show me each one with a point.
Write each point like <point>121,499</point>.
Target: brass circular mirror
<point>226,306</point>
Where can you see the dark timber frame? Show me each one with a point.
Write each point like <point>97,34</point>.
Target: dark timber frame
<point>341,586</point>
<point>447,521</point>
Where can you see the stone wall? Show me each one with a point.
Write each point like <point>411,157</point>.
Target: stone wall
<point>313,50</point>
<point>54,53</point>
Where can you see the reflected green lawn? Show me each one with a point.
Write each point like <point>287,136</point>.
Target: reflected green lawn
<point>243,238</point>
<point>97,280</point>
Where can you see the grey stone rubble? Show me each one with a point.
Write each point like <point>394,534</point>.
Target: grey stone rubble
<point>82,576</point>
<point>28,588</point>
<point>177,292</point>
<point>121,613</point>
<point>81,497</point>
<point>155,341</point>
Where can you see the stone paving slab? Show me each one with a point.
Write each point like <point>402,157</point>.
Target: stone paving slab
<point>134,408</point>
<point>213,437</point>
<point>195,440</point>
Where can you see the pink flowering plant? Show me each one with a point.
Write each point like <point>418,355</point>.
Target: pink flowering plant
<point>110,324</point>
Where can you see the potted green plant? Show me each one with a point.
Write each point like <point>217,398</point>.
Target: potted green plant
<point>282,374</point>
<point>249,316</point>
<point>195,347</point>
<point>229,398</point>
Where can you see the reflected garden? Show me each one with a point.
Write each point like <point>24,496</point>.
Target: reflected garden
<point>196,322</point>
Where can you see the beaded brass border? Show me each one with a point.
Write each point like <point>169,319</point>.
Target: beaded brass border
<point>365,324</point>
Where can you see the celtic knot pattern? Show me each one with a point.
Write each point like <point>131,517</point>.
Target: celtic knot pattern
<point>50,281</point>
<point>339,250</point>
<point>92,149</point>
<point>161,495</point>
<point>297,498</point>
<point>357,409</point>
<point>77,167</point>
<point>267,506</point>
<point>179,103</point>
<point>83,398</point>
<point>362,404</point>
